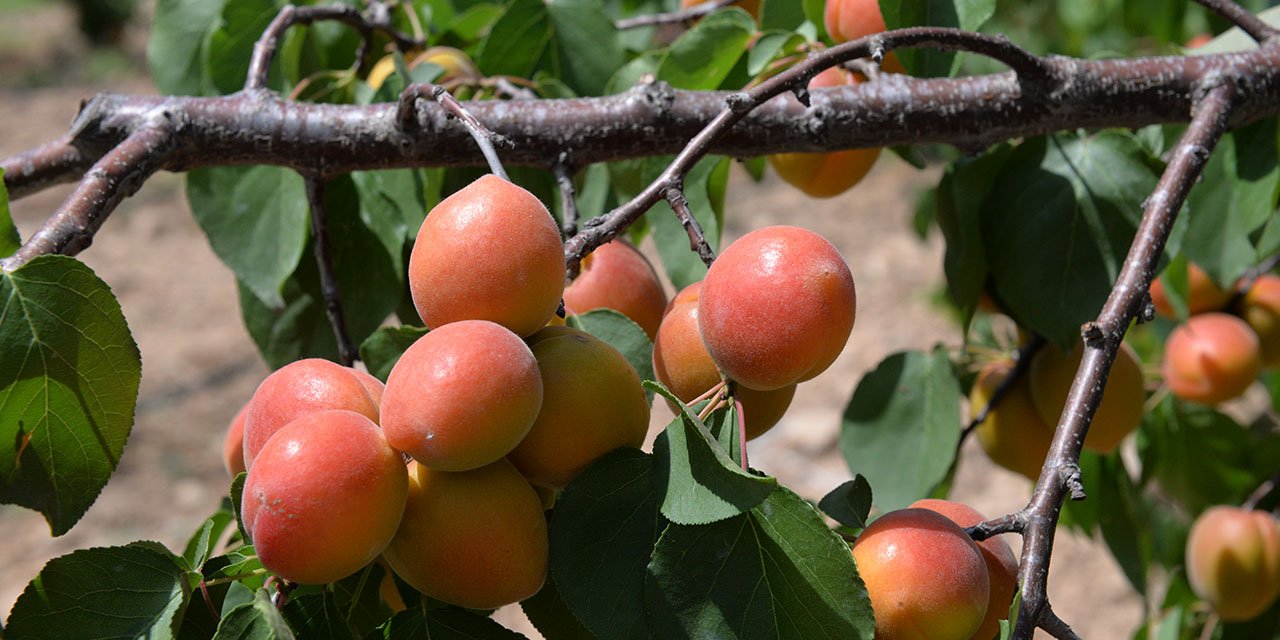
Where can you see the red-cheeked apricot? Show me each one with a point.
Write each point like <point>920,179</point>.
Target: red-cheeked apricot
<point>1211,358</point>
<point>1233,561</point>
<point>617,276</point>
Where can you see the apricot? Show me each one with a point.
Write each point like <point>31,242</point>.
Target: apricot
<point>1261,310</point>
<point>1121,410</point>
<point>750,6</point>
<point>462,396</point>
<point>233,444</point>
<point>847,20</point>
<point>454,65</point>
<point>1211,358</point>
<point>476,539</point>
<point>926,578</point>
<point>681,362</point>
<point>776,307</point>
<point>299,388</point>
<point>1013,435</point>
<point>1203,294</point>
<point>1002,566</point>
<point>1233,561</point>
<point>372,385</point>
<point>592,404</point>
<point>324,497</point>
<point>617,276</point>
<point>825,175</point>
<point>490,251</point>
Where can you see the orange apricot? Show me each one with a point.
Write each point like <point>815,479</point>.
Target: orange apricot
<point>1233,561</point>
<point>1119,414</point>
<point>372,385</point>
<point>617,276</point>
<point>592,404</point>
<point>776,307</point>
<point>1261,309</point>
<point>1203,294</point>
<point>299,388</point>
<point>462,396</point>
<point>825,175</point>
<point>475,539</point>
<point>926,578</point>
<point>233,444</point>
<point>454,65</point>
<point>847,20</point>
<point>1002,566</point>
<point>1211,358</point>
<point>750,6</point>
<point>1013,434</point>
<point>490,251</point>
<point>324,497</point>
<point>681,362</point>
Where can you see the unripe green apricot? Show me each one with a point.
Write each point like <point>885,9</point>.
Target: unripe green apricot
<point>1233,561</point>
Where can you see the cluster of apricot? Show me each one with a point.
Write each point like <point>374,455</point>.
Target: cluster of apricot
<point>1221,348</point>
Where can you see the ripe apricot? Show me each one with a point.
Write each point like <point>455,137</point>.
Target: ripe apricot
<point>681,362</point>
<point>462,396</point>
<point>825,175</point>
<point>371,385</point>
<point>233,444</point>
<point>1002,566</point>
<point>299,388</point>
<point>1261,309</point>
<point>777,307</point>
<point>490,252</point>
<point>1233,561</point>
<point>592,404</point>
<point>476,539</point>
<point>1013,435</point>
<point>847,20</point>
<point>324,497</point>
<point>1211,358</point>
<point>617,276</point>
<point>926,578</point>
<point>1120,412</point>
<point>1203,294</point>
<point>750,6</point>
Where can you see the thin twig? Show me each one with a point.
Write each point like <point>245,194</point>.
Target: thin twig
<point>1012,523</point>
<point>347,353</point>
<point>55,162</point>
<point>672,17</point>
<point>1239,16</point>
<point>1259,494</point>
<point>1021,364</point>
<point>1055,626</point>
<point>697,241</point>
<point>568,196</point>
<point>407,116</point>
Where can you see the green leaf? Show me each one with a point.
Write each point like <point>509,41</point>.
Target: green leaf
<point>621,333</point>
<point>392,207</point>
<point>1123,520</point>
<point>703,56</point>
<point>849,504</point>
<point>230,45</point>
<point>138,590</point>
<point>204,539</point>
<point>241,564</point>
<point>551,616</point>
<point>586,43</point>
<point>256,219</point>
<point>517,41</point>
<point>383,348</point>
<point>770,45</point>
<point>602,535</point>
<point>703,484</point>
<point>1054,269</point>
<point>781,14</point>
<point>968,15</point>
<point>447,623</point>
<point>68,390</point>
<point>704,188</point>
<point>237,498</point>
<point>902,426</point>
<point>316,615</point>
<point>960,195</point>
<point>774,572</point>
<point>180,31</point>
<point>9,240</point>
<point>257,620</point>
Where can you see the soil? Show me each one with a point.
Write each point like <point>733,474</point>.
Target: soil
<point>201,366</point>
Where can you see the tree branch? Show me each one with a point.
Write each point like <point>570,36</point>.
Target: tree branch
<point>56,162</point>
<point>320,245</point>
<point>486,140</point>
<point>697,241</point>
<point>568,196</point>
<point>673,17</point>
<point>1240,17</point>
<point>1211,118</point>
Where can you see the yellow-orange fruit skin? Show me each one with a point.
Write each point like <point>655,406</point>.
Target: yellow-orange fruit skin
<point>490,252</point>
<point>825,175</point>
<point>847,20</point>
<point>1002,566</point>
<point>1203,294</point>
<point>462,396</point>
<point>776,307</point>
<point>233,444</point>
<point>926,578</point>
<point>1233,561</point>
<point>324,497</point>
<point>388,590</point>
<point>372,386</point>
<point>617,276</point>
<point>681,362</point>
<point>1052,373</point>
<point>299,388</point>
<point>476,539</point>
<point>1013,435</point>
<point>1211,358</point>
<point>1261,309</point>
<point>592,404</point>
<point>750,6</point>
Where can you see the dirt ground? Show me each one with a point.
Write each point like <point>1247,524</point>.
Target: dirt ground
<point>200,365</point>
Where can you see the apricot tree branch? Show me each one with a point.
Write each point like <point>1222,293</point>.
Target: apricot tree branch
<point>672,17</point>
<point>322,248</point>
<point>486,140</point>
<point>568,196</point>
<point>1241,17</point>
<point>697,241</point>
<point>1258,495</point>
<point>52,163</point>
<point>1211,116</point>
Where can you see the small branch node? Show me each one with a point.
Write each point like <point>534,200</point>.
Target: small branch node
<point>1093,334</point>
<point>739,103</point>
<point>674,195</point>
<point>1070,474</point>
